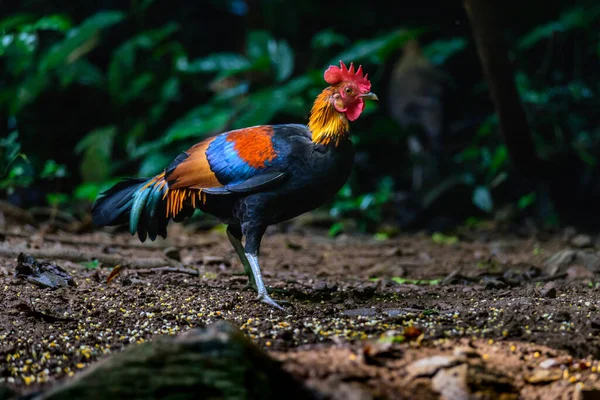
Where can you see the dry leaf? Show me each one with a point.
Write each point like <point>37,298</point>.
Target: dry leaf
<point>114,273</point>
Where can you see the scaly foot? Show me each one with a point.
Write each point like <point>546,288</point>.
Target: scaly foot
<point>265,298</point>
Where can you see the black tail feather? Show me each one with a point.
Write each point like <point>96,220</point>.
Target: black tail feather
<point>115,206</point>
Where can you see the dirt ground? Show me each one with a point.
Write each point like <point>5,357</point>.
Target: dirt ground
<point>408,317</point>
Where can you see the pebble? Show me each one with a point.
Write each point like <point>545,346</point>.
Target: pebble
<point>549,363</point>
<point>549,290</point>
<point>430,365</point>
<point>581,240</point>
<point>360,312</point>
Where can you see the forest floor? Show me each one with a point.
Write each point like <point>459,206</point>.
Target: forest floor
<point>407,317</point>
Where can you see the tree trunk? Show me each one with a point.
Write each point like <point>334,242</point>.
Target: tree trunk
<point>485,18</point>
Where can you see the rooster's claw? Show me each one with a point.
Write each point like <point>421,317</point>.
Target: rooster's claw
<point>268,300</point>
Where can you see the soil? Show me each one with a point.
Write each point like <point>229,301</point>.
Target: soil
<point>361,311</point>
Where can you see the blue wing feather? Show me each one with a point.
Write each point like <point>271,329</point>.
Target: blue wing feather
<point>226,162</point>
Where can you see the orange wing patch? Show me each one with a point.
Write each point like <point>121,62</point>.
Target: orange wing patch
<point>194,172</point>
<point>254,145</point>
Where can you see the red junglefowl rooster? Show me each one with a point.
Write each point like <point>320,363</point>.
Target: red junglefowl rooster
<point>249,178</point>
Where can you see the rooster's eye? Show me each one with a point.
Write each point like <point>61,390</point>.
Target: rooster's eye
<point>349,90</point>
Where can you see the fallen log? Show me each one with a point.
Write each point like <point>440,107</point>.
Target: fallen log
<point>218,362</point>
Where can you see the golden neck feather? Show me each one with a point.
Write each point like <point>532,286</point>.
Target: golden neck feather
<point>327,124</point>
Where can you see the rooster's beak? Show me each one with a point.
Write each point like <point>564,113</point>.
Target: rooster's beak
<point>369,96</point>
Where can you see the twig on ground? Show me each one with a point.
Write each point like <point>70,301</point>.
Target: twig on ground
<point>180,270</point>
<point>550,278</point>
<point>456,276</point>
<point>98,243</point>
<point>15,212</point>
<point>78,256</point>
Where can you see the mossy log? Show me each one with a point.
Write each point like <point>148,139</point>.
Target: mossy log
<point>218,362</point>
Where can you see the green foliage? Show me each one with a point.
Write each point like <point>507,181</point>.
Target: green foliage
<point>144,80</point>
<point>367,209</point>
<point>441,238</point>
<point>405,281</point>
<point>482,198</point>
<point>378,49</point>
<point>14,166</point>
<point>439,51</point>
<point>579,17</point>
<point>159,97</point>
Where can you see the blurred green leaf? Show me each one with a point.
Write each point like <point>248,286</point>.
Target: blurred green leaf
<point>440,238</point>
<point>52,170</point>
<point>125,82</point>
<point>79,40</point>
<point>405,281</point>
<point>198,123</point>
<point>499,159</point>
<point>444,186</point>
<point>154,163</point>
<point>482,198</point>
<point>262,106</point>
<point>55,199</point>
<point>218,62</point>
<point>55,22</point>
<point>14,21</point>
<point>526,201</point>
<point>328,38</point>
<point>439,51</point>
<point>81,72</point>
<point>282,58</point>
<point>236,91</point>
<point>29,90</point>
<point>87,191</point>
<point>91,264</point>
<point>258,44</point>
<point>96,150</point>
<point>9,148</point>
<point>336,229</point>
<point>578,17</point>
<point>376,50</point>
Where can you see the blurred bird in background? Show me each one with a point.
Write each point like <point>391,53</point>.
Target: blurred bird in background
<point>417,90</point>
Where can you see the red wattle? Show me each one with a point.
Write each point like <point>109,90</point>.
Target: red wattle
<point>353,112</point>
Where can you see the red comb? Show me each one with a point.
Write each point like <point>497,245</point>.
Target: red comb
<point>335,75</point>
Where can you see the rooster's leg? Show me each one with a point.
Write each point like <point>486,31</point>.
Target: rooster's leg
<point>235,237</point>
<point>253,236</point>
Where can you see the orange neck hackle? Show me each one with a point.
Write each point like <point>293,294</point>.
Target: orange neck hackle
<point>327,124</point>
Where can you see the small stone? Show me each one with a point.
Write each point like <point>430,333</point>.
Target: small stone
<point>392,252</point>
<point>452,383</point>
<point>549,290</point>
<point>549,363</point>
<point>579,272</point>
<point>208,259</point>
<point>580,241</point>
<point>429,366</point>
<point>360,312</point>
<point>543,376</point>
